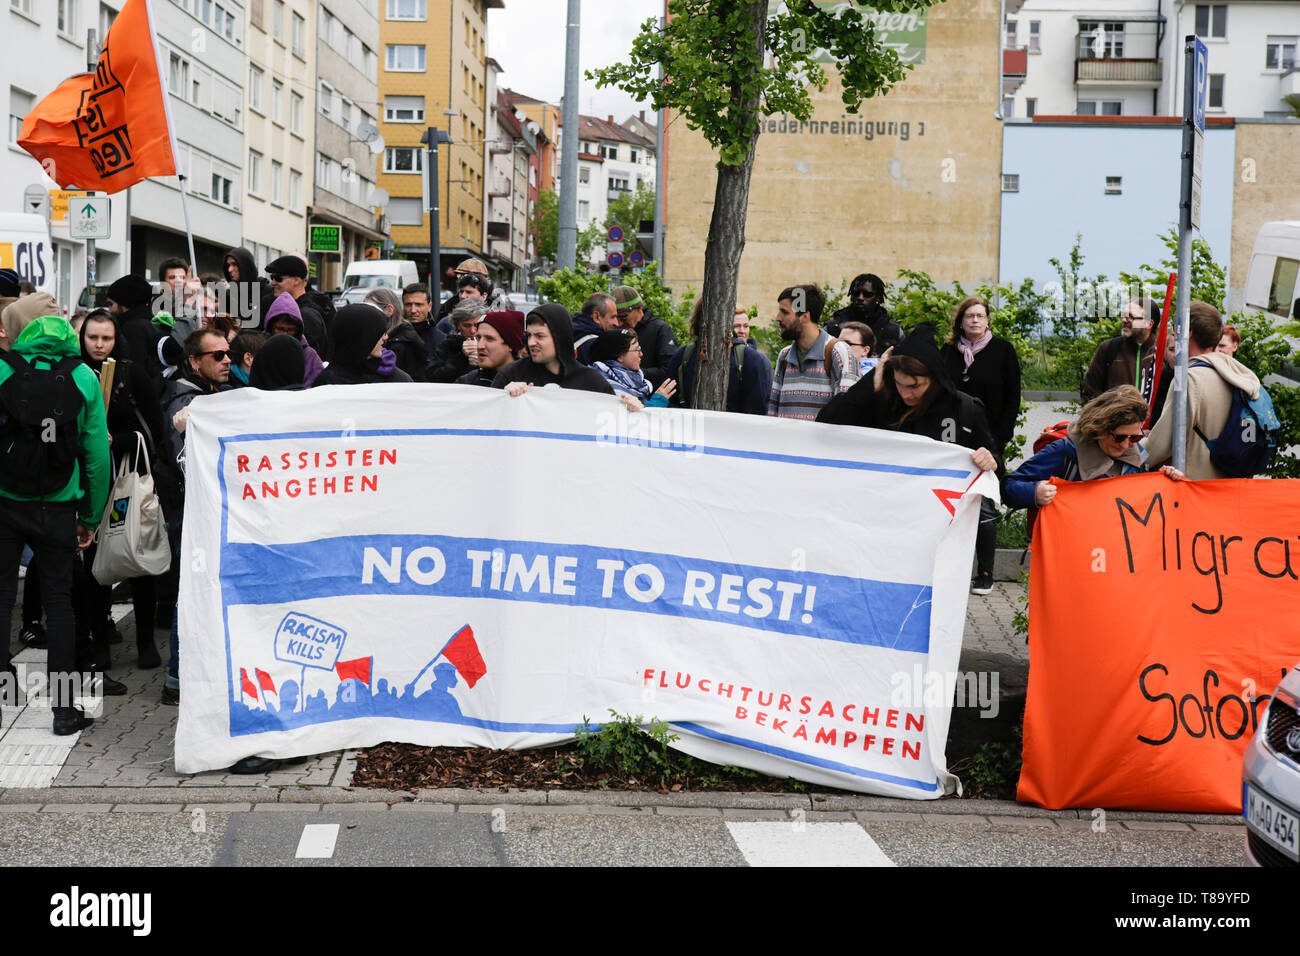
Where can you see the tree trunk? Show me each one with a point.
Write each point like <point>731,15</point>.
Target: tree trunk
<point>722,252</point>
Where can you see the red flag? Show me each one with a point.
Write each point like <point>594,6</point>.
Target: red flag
<point>358,669</point>
<point>264,680</point>
<point>109,129</point>
<point>249,689</point>
<point>462,651</point>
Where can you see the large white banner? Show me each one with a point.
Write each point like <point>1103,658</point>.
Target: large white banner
<point>452,566</point>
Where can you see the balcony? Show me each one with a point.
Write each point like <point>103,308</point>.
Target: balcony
<point>1117,71</point>
<point>617,193</point>
<point>1015,63</point>
<point>500,187</point>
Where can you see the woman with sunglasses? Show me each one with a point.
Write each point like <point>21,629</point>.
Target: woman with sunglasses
<point>1102,443</point>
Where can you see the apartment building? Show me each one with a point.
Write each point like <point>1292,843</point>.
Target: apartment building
<point>613,161</point>
<point>507,208</point>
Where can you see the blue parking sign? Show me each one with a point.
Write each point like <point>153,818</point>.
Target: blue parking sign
<point>1202,80</point>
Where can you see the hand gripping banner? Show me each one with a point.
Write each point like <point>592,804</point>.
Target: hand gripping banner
<point>452,566</point>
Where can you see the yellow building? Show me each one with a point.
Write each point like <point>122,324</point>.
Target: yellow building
<point>911,181</point>
<point>432,73</point>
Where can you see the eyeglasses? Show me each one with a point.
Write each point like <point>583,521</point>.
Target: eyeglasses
<point>217,354</point>
<point>1125,439</point>
<point>275,278</point>
<point>635,348</point>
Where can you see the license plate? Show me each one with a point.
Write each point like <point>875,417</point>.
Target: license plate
<point>1274,822</point>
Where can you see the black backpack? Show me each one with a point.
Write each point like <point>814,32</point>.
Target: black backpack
<point>39,436</point>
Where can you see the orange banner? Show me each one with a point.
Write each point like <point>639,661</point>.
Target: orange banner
<point>106,130</point>
<point>1161,616</point>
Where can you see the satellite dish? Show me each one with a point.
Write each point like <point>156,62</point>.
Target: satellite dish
<point>379,196</point>
<point>521,115</point>
<point>366,132</point>
<point>376,144</point>
<point>533,128</point>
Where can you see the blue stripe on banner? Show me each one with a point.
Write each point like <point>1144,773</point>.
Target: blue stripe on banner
<point>886,467</point>
<point>806,759</point>
<point>805,604</point>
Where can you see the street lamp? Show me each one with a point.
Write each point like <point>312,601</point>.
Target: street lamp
<point>431,139</point>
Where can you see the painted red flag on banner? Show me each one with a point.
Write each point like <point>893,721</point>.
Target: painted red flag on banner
<point>109,129</point>
<point>358,669</point>
<point>264,680</point>
<point>462,651</point>
<point>247,684</point>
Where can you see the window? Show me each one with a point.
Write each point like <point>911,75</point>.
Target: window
<point>220,189</point>
<point>584,174</point>
<point>178,76</point>
<point>1031,106</point>
<point>277,20</point>
<point>1212,20</point>
<point>619,183</point>
<point>1100,108</point>
<point>277,174</point>
<point>254,173</point>
<point>20,104</point>
<point>584,209</point>
<point>67,17</point>
<point>1281,290</point>
<point>1034,34</point>
<point>404,109</point>
<point>22,6</point>
<point>635,155</point>
<point>1280,53</point>
<point>1008,107</point>
<point>277,102</point>
<point>1214,101</point>
<point>106,17</point>
<point>1114,185</point>
<point>407,10</point>
<point>1100,40</point>
<point>255,88</point>
<point>609,152</point>
<point>1011,182</point>
<point>1010,31</point>
<point>405,58</point>
<point>295,190</point>
<point>299,36</point>
<point>406,211</point>
<point>325,99</point>
<point>295,113</point>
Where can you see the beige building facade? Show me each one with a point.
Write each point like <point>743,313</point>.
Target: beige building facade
<point>911,181</point>
<point>1265,188</point>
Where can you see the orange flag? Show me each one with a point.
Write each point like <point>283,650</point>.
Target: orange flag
<point>107,130</point>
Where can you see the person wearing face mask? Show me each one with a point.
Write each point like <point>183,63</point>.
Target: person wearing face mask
<point>985,367</point>
<point>359,333</point>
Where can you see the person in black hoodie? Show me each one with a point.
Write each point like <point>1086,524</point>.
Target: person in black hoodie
<point>910,392</point>
<point>247,288</point>
<point>550,359</point>
<point>360,331</point>
<point>132,409</point>
<point>280,365</point>
<point>130,302</point>
<point>867,305</point>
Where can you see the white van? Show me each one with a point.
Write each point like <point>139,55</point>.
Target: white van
<point>1274,266</point>
<point>394,274</point>
<point>25,246</point>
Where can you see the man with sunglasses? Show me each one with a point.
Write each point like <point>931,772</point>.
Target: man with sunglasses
<point>204,371</point>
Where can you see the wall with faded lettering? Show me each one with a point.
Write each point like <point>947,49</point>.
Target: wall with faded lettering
<point>911,181</point>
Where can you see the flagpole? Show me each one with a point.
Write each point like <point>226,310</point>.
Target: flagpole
<point>439,654</point>
<point>171,135</point>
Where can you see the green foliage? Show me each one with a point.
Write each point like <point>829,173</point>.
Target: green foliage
<point>659,298</point>
<point>995,768</point>
<point>1013,530</point>
<point>570,287</point>
<point>1209,278</point>
<point>546,229</point>
<point>724,96</point>
<point>1020,617</point>
<point>628,746</point>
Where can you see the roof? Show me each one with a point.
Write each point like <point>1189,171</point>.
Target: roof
<point>591,127</point>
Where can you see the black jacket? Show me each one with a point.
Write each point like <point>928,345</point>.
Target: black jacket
<point>888,333</point>
<point>572,373</point>
<point>993,378</point>
<point>254,288</point>
<point>658,345</point>
<point>747,391</point>
<point>406,344</point>
<point>448,362</point>
<point>136,328</point>
<point>356,330</point>
<point>478,376</point>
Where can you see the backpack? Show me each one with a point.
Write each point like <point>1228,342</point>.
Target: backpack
<point>39,434</point>
<point>1248,441</point>
<point>1051,434</point>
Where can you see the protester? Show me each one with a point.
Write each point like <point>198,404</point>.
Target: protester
<point>130,300</point>
<point>52,493</point>
<point>1102,443</point>
<point>479,287</point>
<point>247,288</point>
<point>243,348</point>
<point>1130,357</point>
<point>280,365</point>
<point>658,344</point>
<point>1212,377</point>
<point>803,384</point>
<point>1230,341</point>
<point>739,325</point>
<point>859,337</point>
<point>283,318</point>
<point>550,359</point>
<point>616,354</point>
<point>598,313</point>
<point>132,409</point>
<point>500,340</point>
<point>360,332</point>
<point>416,308</point>
<point>749,372</point>
<point>910,392</point>
<point>985,367</point>
<point>867,305</point>
<point>403,341</point>
<point>451,360</point>
<point>289,274</point>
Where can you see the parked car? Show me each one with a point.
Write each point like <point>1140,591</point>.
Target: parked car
<point>1270,788</point>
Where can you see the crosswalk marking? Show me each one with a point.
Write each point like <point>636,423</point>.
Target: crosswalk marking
<point>317,841</point>
<point>799,843</point>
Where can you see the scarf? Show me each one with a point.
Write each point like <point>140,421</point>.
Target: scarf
<point>624,381</point>
<point>1095,463</point>
<point>970,349</point>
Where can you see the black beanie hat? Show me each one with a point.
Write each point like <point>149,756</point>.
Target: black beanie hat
<point>130,291</point>
<point>612,343</point>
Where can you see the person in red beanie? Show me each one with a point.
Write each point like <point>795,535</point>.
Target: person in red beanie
<point>500,341</point>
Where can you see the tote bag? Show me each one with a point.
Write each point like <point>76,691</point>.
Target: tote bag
<point>132,536</point>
